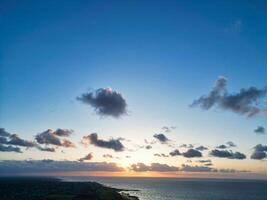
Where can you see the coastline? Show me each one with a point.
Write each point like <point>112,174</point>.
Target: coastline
<point>40,188</point>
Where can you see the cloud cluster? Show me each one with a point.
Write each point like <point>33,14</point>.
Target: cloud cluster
<point>39,166</point>
<point>227,154</point>
<point>106,102</point>
<point>13,143</point>
<point>161,137</point>
<point>260,152</point>
<point>260,130</point>
<point>114,144</point>
<point>245,102</point>
<point>51,137</point>
<point>153,167</point>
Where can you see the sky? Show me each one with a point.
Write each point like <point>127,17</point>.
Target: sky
<point>114,87</point>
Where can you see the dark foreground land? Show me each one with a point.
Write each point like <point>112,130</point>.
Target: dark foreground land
<point>21,188</point>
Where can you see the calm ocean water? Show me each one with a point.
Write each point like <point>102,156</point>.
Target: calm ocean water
<point>185,189</point>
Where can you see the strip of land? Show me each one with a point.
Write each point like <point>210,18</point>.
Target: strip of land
<point>22,188</point>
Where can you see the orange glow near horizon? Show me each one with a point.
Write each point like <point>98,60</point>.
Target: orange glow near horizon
<point>131,174</point>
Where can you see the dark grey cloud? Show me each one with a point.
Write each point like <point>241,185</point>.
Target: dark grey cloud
<point>161,155</point>
<point>106,102</point>
<point>4,133</point>
<point>39,166</point>
<point>260,130</point>
<point>114,144</point>
<point>155,167</point>
<point>89,156</point>
<point>201,148</point>
<point>50,137</point>
<point>9,148</point>
<point>245,102</point>
<point>17,141</point>
<point>161,137</point>
<point>192,153</point>
<point>175,152</point>
<point>260,152</point>
<point>227,154</point>
<point>63,132</point>
<point>222,146</point>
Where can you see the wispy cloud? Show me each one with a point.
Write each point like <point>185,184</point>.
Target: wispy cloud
<point>245,102</point>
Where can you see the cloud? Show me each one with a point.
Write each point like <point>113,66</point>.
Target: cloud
<point>222,146</point>
<point>48,149</point>
<point>260,152</point>
<point>175,152</point>
<point>201,148</point>
<point>39,166</point>
<point>245,102</point>
<point>227,154</point>
<point>106,102</point>
<point>161,155</point>
<point>168,129</point>
<point>188,168</point>
<point>10,142</point>
<point>234,27</point>
<point>114,144</point>
<point>87,157</point>
<point>50,137</point>
<point>107,156</point>
<point>155,167</point>
<point>161,137</point>
<point>187,146</point>
<point>260,130</point>
<point>231,144</point>
<point>228,145</point>
<point>17,141</point>
<point>63,132</point>
<point>4,133</point>
<point>204,161</point>
<point>9,148</point>
<point>192,153</point>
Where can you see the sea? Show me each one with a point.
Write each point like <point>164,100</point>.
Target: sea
<point>184,189</point>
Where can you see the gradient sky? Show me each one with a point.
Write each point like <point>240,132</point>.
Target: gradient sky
<point>160,55</point>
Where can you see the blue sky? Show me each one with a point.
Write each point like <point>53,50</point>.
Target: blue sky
<point>161,55</point>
